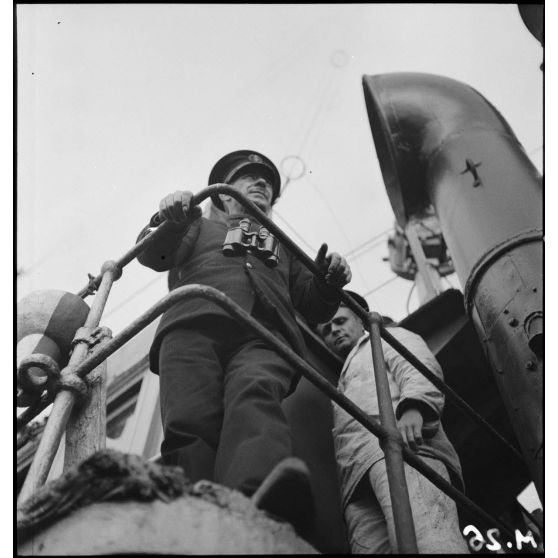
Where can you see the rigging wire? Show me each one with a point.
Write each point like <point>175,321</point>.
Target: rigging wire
<point>324,95</point>
<point>320,107</point>
<point>293,230</point>
<point>381,285</point>
<point>378,236</point>
<point>339,225</point>
<point>366,250</point>
<point>158,277</point>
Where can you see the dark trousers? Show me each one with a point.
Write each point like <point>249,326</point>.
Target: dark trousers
<point>221,391</point>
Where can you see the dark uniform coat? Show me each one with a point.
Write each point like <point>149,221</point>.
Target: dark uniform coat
<point>222,386</point>
<point>197,258</point>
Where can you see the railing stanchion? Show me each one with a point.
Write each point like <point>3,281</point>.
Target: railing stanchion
<point>65,399</point>
<point>392,447</point>
<point>309,263</point>
<point>80,364</point>
<point>371,424</point>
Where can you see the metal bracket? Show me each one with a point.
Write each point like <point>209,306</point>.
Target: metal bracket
<point>91,337</point>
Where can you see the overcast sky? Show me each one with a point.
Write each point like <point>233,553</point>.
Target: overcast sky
<point>121,104</point>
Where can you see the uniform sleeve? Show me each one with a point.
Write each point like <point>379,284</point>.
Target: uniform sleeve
<point>415,390</point>
<point>171,249</point>
<point>315,300</point>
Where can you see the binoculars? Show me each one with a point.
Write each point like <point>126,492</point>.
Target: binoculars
<point>261,243</point>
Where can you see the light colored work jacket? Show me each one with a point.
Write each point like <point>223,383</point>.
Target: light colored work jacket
<point>356,448</point>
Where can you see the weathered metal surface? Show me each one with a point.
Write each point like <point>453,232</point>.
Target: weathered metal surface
<point>506,300</point>
<point>86,431</point>
<point>428,130</point>
<point>66,398</point>
<point>492,480</point>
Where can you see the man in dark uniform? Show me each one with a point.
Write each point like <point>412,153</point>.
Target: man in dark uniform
<point>221,386</point>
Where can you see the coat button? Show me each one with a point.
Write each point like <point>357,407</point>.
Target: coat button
<point>249,265</point>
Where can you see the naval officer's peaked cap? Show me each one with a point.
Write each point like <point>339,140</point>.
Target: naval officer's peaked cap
<point>232,165</point>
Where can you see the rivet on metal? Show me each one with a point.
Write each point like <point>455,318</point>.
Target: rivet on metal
<point>513,322</point>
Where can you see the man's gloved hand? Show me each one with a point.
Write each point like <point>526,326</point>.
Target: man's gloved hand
<point>410,427</point>
<point>177,208</point>
<point>337,270</point>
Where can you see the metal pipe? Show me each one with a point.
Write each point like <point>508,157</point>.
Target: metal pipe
<point>65,399</point>
<point>373,426</point>
<point>441,143</point>
<point>48,445</point>
<point>392,445</point>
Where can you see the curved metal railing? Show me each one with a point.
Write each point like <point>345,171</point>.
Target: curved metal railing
<point>396,452</point>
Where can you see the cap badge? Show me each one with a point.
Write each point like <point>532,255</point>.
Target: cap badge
<point>253,158</point>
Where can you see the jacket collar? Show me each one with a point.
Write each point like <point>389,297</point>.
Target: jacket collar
<point>354,350</point>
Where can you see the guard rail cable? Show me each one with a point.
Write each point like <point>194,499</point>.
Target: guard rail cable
<point>83,361</point>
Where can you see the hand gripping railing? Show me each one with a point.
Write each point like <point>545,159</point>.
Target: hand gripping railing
<point>80,365</point>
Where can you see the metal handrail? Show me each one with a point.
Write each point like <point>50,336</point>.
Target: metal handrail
<point>165,227</point>
<point>197,198</point>
<point>216,296</point>
<point>393,446</point>
<point>452,396</point>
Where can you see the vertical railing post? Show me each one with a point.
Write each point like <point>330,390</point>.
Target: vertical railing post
<point>86,432</point>
<point>392,447</point>
<point>66,398</point>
